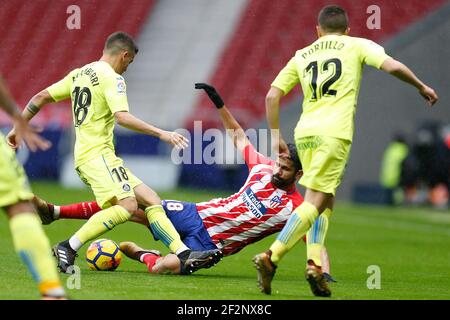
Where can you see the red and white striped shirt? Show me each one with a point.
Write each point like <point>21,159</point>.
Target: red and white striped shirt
<point>259,208</point>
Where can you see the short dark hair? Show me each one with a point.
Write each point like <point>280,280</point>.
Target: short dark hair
<point>333,19</point>
<point>293,156</point>
<point>119,41</point>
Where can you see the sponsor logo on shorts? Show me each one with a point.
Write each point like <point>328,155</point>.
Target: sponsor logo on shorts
<point>126,187</point>
<point>309,143</point>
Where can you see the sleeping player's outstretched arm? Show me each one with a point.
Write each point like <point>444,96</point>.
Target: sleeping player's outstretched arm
<point>233,127</point>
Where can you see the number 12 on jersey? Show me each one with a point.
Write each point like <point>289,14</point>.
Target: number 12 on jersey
<point>324,87</point>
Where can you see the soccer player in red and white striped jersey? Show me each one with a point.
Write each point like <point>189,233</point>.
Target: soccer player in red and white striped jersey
<point>260,208</point>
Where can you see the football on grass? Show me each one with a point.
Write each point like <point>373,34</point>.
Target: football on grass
<point>103,255</point>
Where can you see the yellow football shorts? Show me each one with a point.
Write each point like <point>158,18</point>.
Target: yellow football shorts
<point>14,185</point>
<point>108,178</point>
<point>324,160</point>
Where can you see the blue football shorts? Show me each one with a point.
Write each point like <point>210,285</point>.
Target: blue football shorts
<point>186,220</point>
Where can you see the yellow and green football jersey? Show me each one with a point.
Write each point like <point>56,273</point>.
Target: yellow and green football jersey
<point>96,92</point>
<point>14,186</point>
<point>329,72</point>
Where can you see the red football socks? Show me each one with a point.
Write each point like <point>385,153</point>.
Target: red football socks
<point>82,210</point>
<point>149,259</point>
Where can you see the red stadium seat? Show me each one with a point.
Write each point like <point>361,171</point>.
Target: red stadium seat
<point>38,49</point>
<point>268,34</point>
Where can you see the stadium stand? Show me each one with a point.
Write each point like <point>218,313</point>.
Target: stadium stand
<point>180,45</point>
<point>238,46</point>
<point>43,49</point>
<point>267,36</point>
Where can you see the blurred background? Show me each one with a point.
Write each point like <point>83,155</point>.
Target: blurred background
<point>400,153</point>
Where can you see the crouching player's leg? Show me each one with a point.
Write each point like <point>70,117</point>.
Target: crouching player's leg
<point>118,192</point>
<point>114,194</point>
<point>49,212</point>
<point>155,262</point>
<point>186,220</point>
<point>184,217</point>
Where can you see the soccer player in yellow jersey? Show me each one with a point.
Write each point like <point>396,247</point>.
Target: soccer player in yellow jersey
<point>28,236</point>
<point>329,72</point>
<point>98,94</point>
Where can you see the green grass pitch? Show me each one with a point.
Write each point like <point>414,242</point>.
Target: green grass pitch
<point>410,246</point>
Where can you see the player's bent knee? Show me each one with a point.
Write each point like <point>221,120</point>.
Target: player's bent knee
<point>146,196</point>
<point>129,204</point>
